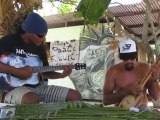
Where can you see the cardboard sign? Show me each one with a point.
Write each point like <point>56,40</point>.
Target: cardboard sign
<point>64,52</point>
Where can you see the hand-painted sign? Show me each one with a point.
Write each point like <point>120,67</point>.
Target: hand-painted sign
<point>64,52</point>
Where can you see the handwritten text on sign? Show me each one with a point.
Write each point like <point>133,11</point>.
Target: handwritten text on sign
<point>64,52</point>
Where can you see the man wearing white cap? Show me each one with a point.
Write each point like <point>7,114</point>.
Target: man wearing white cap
<point>123,79</point>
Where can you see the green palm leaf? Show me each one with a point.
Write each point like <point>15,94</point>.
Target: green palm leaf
<point>92,10</point>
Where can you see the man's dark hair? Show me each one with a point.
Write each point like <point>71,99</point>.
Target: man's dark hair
<point>20,30</point>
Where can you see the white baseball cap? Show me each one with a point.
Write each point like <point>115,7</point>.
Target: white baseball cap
<point>127,46</point>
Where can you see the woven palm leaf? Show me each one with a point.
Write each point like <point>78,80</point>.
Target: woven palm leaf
<point>78,111</point>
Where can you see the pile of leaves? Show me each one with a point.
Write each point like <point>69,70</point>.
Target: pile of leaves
<point>78,111</point>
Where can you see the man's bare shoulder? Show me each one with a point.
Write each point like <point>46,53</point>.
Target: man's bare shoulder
<point>144,66</point>
<point>115,68</point>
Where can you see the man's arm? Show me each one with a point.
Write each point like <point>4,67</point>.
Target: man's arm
<point>22,73</point>
<point>109,86</point>
<point>153,83</point>
<point>55,75</point>
<point>154,89</point>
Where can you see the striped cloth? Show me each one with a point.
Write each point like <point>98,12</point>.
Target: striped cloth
<point>51,93</point>
<point>46,93</point>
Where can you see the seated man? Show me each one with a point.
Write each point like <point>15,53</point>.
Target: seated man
<point>123,78</point>
<point>28,43</point>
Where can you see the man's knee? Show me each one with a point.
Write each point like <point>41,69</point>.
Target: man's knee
<point>73,95</point>
<point>29,98</point>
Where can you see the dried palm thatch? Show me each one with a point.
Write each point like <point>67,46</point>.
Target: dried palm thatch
<point>13,11</point>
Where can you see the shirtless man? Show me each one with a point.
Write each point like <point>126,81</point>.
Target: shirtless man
<point>123,79</point>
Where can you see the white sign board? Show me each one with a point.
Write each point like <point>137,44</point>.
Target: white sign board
<point>64,52</point>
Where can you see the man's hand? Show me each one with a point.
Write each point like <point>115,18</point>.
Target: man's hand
<point>24,72</point>
<point>67,70</point>
<point>136,90</point>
